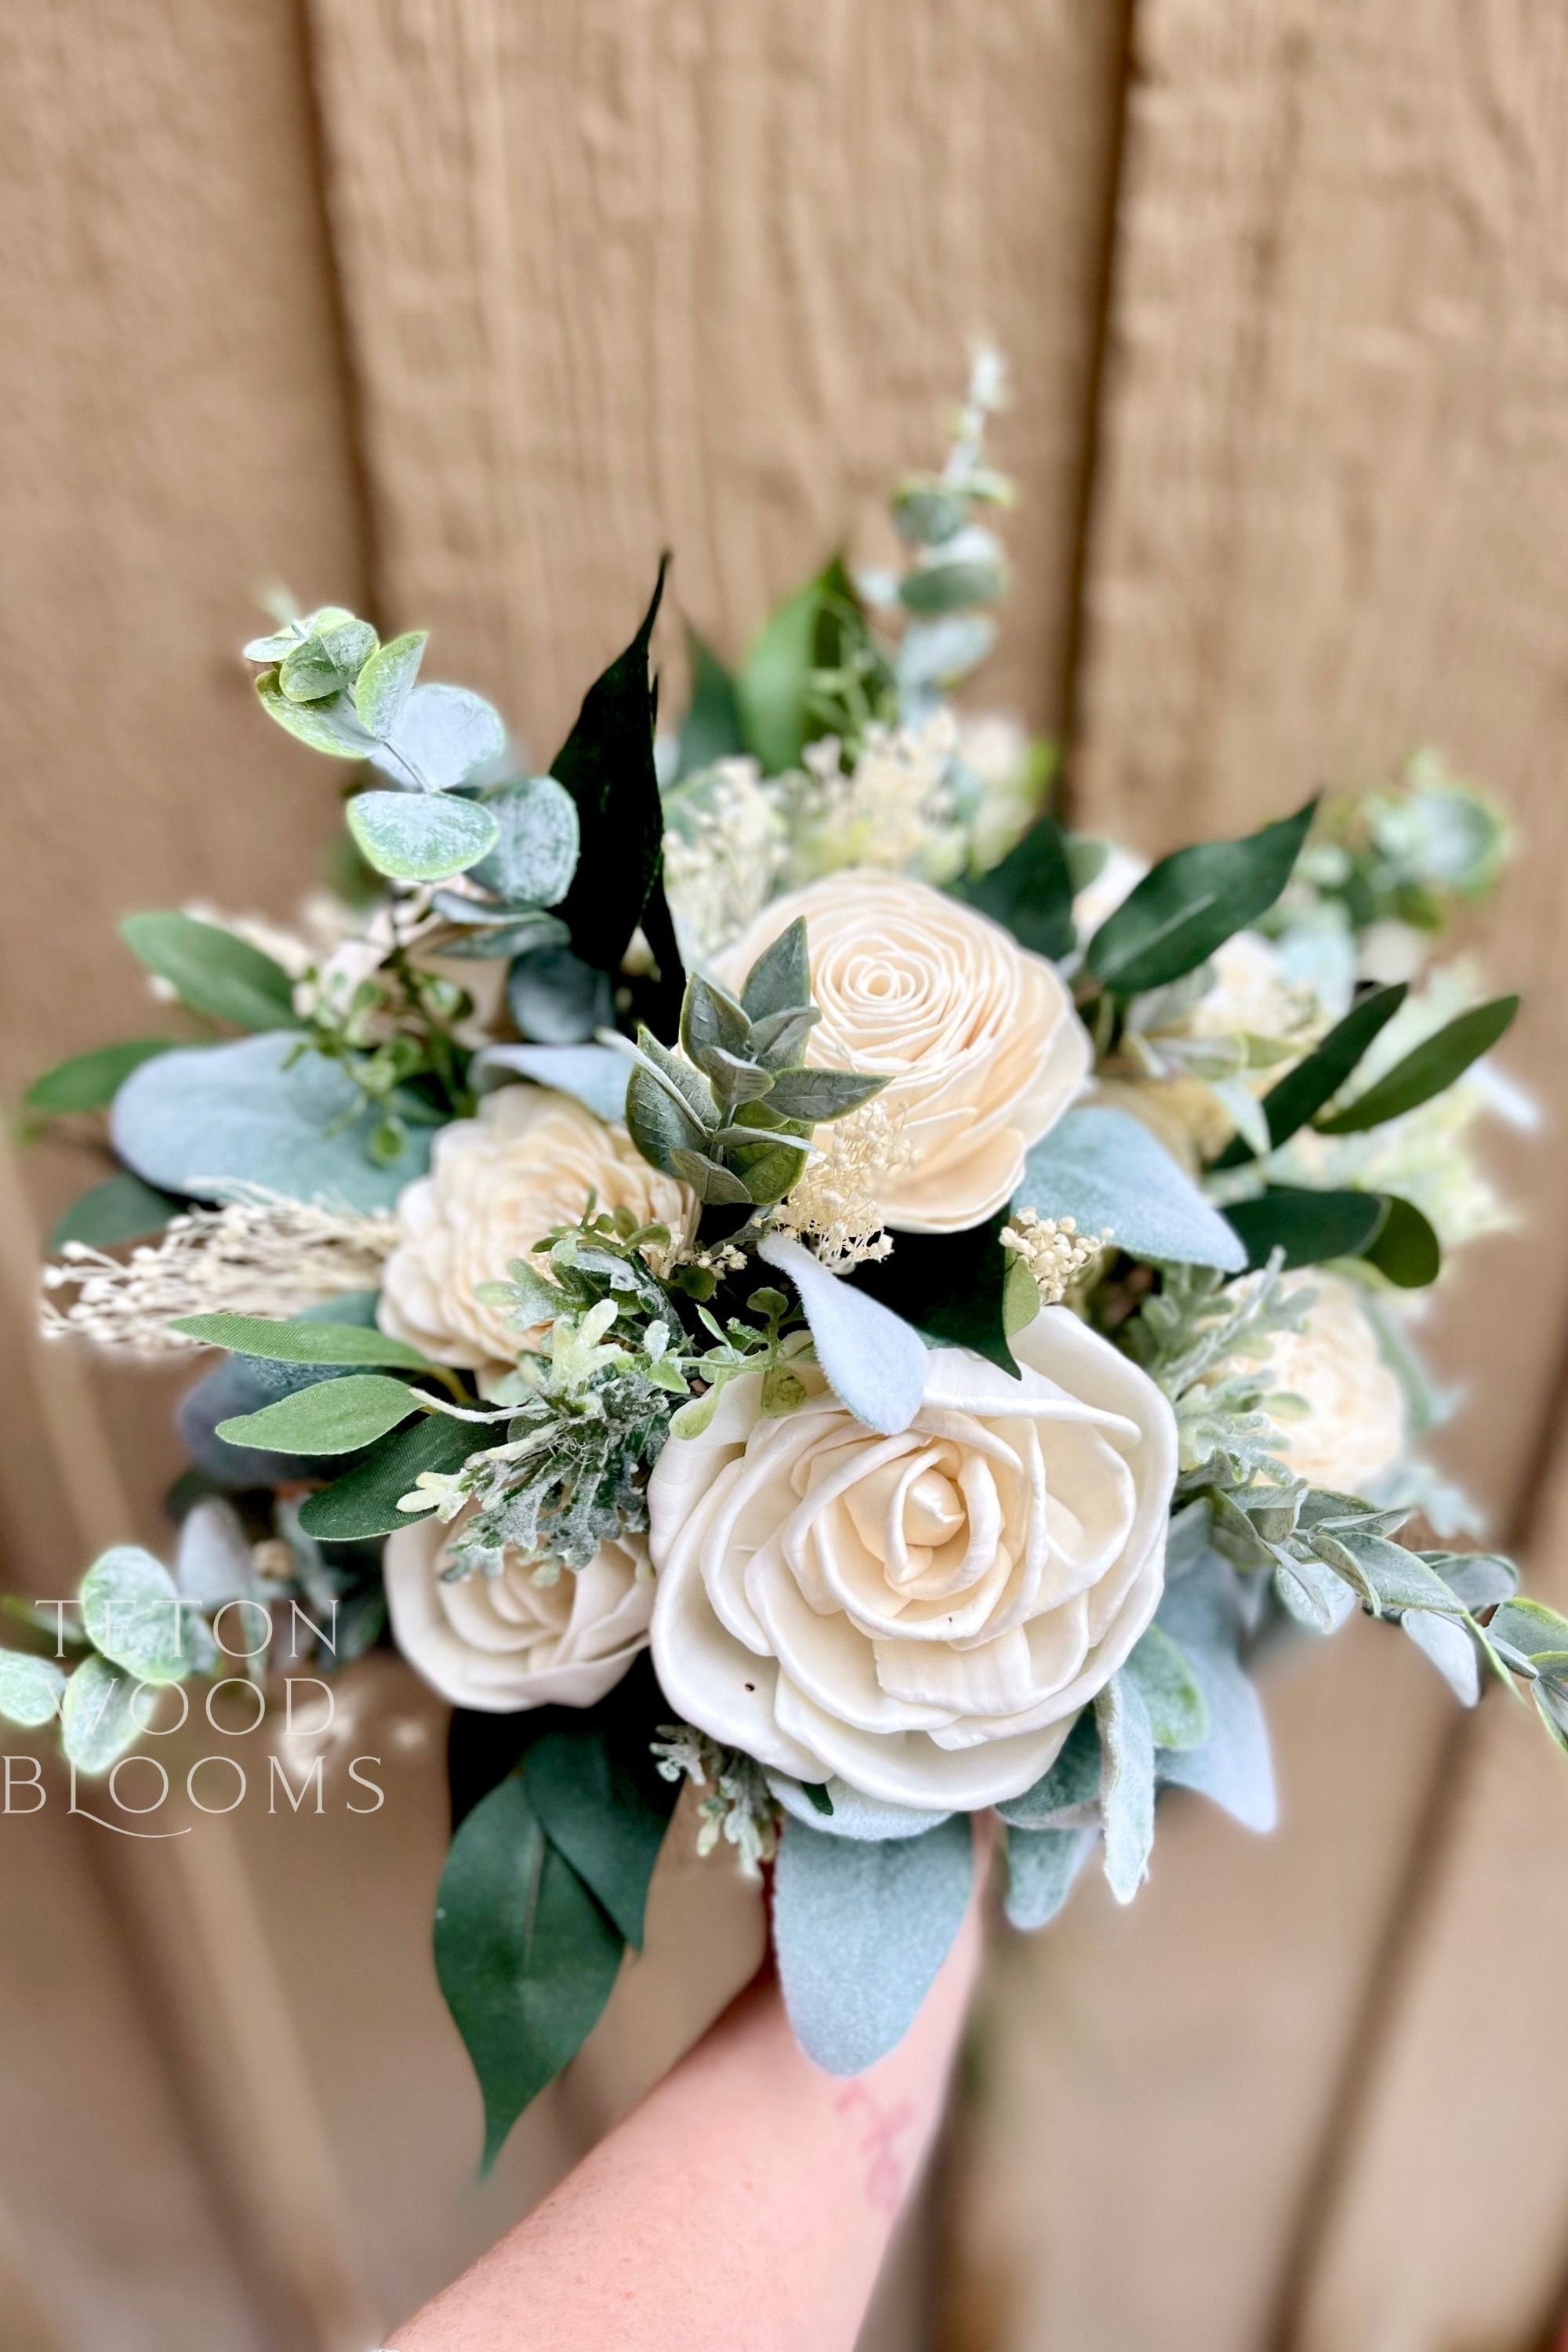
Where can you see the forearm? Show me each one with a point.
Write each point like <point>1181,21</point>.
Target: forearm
<point>749,2199</point>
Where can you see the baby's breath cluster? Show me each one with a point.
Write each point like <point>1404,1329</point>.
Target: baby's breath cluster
<point>1056,1252</point>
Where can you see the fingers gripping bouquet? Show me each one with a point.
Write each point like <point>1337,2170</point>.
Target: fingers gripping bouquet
<point>762,1261</point>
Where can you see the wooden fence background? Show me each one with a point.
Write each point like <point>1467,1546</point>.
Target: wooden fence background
<point>457,311</point>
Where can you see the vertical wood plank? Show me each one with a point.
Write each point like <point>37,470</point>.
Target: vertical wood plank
<point>1459,2112</point>
<point>701,273</point>
<point>1327,527</point>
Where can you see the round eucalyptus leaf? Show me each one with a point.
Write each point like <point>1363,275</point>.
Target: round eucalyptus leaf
<point>420,837</point>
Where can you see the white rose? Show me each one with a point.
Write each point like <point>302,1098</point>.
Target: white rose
<point>502,1643</point>
<point>920,1615</point>
<point>1353,1427</point>
<point>497,1183</point>
<point>983,1047</point>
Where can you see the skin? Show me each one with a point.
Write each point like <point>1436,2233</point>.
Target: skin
<point>748,2201</point>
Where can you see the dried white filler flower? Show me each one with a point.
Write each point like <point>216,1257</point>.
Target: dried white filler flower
<point>257,1253</point>
<point>835,1207</point>
<point>1053,1249</point>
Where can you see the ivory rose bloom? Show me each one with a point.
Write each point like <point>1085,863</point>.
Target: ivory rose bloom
<point>984,1049</point>
<point>502,1643</point>
<point>1353,1428</point>
<point>920,1615</point>
<point>496,1184</point>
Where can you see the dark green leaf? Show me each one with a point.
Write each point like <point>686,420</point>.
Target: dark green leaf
<point>331,1417</point>
<point>120,1209</point>
<point>712,728</point>
<point>301,1343</point>
<point>91,1081</point>
<point>607,765</point>
<point>605,1808</point>
<point>950,1285</point>
<point>1301,1093</point>
<point>525,1955</point>
<point>213,971</point>
<point>1191,903</point>
<point>1428,1070</point>
<point>1309,1226</point>
<point>1405,1246</point>
<point>1030,892</point>
<point>363,1504</point>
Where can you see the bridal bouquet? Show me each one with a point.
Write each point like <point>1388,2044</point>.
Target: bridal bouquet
<point>758,1259</point>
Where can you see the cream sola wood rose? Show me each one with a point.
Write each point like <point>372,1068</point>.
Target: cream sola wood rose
<point>507,1642</point>
<point>496,1185</point>
<point>983,1048</point>
<point>921,1616</point>
<point>1346,1428</point>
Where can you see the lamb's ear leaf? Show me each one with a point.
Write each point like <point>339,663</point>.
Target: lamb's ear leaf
<point>606,765</point>
<point>1042,1865</point>
<point>525,1955</point>
<point>860,1928</point>
<point>1126,1784</point>
<point>1191,903</point>
<point>874,1360</point>
<point>1201,1611</point>
<point>1102,1168</point>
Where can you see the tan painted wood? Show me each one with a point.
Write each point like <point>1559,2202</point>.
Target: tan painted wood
<point>1459,2112</point>
<point>1327,527</point>
<point>701,273</point>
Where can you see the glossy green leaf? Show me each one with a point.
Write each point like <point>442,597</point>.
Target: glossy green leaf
<point>420,837</point>
<point>91,1081</point>
<point>712,728</point>
<point>1030,892</point>
<point>1405,1246</point>
<point>332,1417</point>
<point>814,630</point>
<point>605,1807</point>
<point>363,1504</point>
<point>301,1343</point>
<point>212,970</point>
<point>1310,1227</point>
<point>121,1209</point>
<point>525,1955</point>
<point>1428,1070</point>
<point>1301,1093</point>
<point>1191,903</point>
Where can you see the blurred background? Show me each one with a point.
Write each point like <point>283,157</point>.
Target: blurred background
<point>456,313</point>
